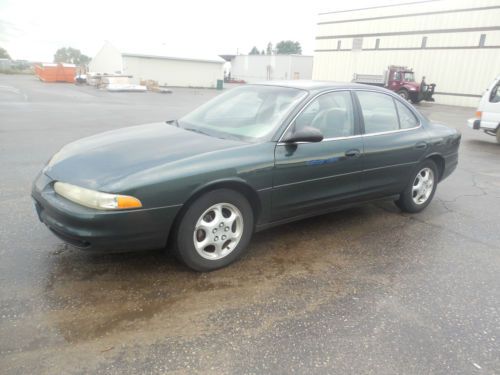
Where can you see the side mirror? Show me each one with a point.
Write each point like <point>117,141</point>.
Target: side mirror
<point>306,134</point>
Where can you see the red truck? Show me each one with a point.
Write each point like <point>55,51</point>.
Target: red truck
<point>401,80</point>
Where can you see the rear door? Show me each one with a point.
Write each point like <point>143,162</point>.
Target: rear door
<point>311,176</point>
<point>393,143</point>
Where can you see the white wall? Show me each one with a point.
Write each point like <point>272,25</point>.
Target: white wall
<point>171,72</point>
<point>303,65</point>
<point>255,68</point>
<point>452,59</point>
<point>108,60</point>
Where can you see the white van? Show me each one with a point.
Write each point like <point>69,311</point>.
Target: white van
<point>488,113</point>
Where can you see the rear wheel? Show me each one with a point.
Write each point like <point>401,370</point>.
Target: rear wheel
<point>215,230</point>
<point>420,191</point>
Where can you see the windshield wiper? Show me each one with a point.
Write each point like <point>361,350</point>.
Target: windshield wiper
<point>173,122</point>
<point>176,123</point>
<point>197,131</point>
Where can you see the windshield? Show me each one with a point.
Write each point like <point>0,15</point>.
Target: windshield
<point>408,77</point>
<point>247,113</point>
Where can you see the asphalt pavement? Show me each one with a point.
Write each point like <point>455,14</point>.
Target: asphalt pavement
<point>369,290</point>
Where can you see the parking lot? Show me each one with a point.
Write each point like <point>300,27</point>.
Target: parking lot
<point>366,290</point>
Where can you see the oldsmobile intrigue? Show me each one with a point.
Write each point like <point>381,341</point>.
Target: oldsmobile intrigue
<point>253,157</point>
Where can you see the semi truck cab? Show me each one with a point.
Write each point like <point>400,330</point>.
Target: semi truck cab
<point>401,80</point>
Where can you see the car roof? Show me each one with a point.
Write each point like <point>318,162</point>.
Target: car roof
<point>311,85</point>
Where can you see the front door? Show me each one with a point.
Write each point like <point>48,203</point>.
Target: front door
<point>312,176</point>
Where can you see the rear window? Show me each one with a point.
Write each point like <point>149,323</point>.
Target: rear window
<point>382,113</point>
<point>379,112</point>
<point>407,119</point>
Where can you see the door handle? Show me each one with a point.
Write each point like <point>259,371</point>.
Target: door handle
<point>421,145</point>
<point>352,153</point>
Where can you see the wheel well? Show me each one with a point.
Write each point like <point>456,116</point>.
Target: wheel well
<point>240,187</point>
<point>439,161</point>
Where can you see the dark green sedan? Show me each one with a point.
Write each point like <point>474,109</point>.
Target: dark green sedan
<point>251,158</point>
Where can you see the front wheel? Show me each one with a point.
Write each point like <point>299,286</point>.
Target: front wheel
<point>420,191</point>
<point>404,94</point>
<point>215,230</point>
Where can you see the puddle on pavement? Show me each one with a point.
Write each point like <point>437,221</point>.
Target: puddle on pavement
<point>93,296</point>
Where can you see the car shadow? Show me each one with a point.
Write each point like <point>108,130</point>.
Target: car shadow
<point>115,290</point>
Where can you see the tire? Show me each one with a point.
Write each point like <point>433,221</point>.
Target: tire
<point>404,94</point>
<point>226,222</point>
<point>414,199</point>
<point>416,101</point>
<point>498,134</point>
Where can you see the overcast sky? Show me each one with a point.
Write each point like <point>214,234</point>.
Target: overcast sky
<point>34,30</point>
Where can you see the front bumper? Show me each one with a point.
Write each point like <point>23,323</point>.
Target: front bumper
<point>477,124</point>
<point>91,229</point>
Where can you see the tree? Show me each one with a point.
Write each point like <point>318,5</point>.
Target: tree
<point>269,50</point>
<point>254,51</point>
<point>288,47</point>
<point>263,52</point>
<point>71,56</point>
<point>4,54</point>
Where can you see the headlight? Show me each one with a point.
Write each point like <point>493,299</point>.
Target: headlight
<point>96,199</point>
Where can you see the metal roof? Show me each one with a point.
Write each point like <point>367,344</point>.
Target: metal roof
<point>164,52</point>
<point>379,6</point>
<point>172,56</point>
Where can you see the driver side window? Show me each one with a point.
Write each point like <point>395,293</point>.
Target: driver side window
<point>332,114</point>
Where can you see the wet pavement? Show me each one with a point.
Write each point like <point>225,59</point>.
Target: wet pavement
<point>366,290</point>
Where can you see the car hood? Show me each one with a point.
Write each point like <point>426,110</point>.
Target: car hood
<point>104,158</point>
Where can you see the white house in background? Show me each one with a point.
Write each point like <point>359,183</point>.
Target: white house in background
<point>168,70</point>
<point>253,68</point>
<point>108,60</point>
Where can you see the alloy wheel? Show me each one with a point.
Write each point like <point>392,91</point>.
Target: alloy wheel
<point>218,231</point>
<point>422,186</point>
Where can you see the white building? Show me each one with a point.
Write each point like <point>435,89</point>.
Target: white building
<point>453,43</point>
<point>182,71</point>
<point>253,68</point>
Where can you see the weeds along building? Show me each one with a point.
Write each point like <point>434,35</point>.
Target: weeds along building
<point>453,43</point>
<point>165,68</point>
